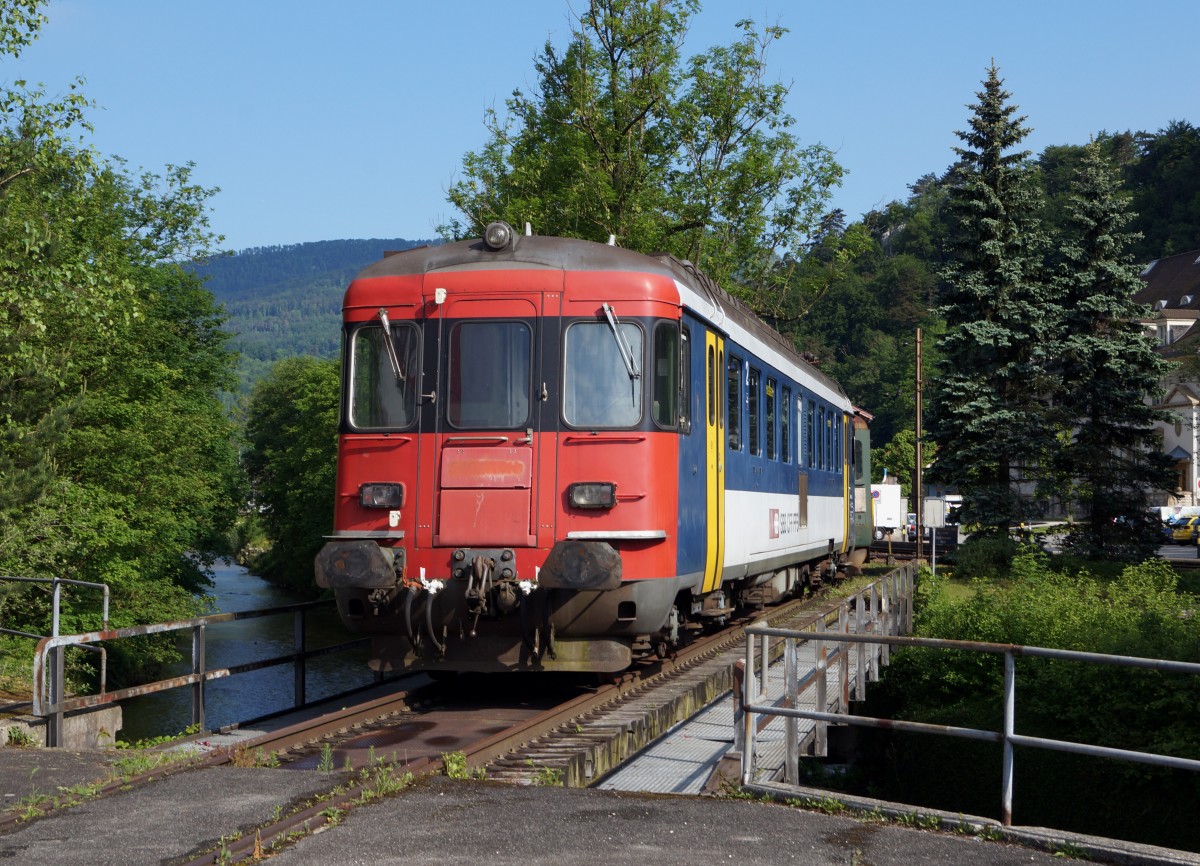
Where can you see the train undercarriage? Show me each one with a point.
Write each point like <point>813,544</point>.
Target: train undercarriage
<point>577,615</point>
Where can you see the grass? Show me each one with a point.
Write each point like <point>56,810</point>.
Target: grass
<point>961,590</point>
<point>136,759</point>
<point>21,738</point>
<point>454,765</point>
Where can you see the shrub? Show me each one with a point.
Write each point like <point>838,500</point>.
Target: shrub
<point>1140,613</point>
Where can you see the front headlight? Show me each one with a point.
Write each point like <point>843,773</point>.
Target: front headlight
<point>381,494</point>
<point>592,494</point>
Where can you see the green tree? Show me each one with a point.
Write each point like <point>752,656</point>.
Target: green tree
<point>1107,365</point>
<point>291,432</point>
<point>115,456</point>
<point>1165,180</point>
<point>988,416</point>
<point>898,457</point>
<point>622,137</point>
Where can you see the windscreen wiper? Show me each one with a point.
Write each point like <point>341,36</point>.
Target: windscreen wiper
<point>391,347</point>
<point>622,344</point>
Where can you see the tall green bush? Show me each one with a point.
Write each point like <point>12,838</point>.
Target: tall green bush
<point>1140,613</point>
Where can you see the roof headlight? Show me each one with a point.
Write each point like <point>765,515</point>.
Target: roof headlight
<point>381,494</point>
<point>498,235</point>
<point>592,494</point>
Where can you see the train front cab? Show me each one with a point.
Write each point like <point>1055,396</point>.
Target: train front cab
<point>527,420</point>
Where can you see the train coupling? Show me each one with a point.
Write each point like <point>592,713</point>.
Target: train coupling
<point>493,585</point>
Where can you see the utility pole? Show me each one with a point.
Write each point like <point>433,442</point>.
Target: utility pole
<point>919,460</point>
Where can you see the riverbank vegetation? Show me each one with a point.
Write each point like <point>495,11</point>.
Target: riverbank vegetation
<point>118,461</point>
<point>290,457</point>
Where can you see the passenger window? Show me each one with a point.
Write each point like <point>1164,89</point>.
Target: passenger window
<point>812,422</point>
<point>666,375</point>
<point>685,381</point>
<point>733,422</point>
<point>712,387</point>
<point>752,396</point>
<point>770,419</point>
<point>829,440</point>
<point>821,437</point>
<point>785,425</point>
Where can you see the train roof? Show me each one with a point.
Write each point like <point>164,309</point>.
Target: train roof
<point>541,251</point>
<point>529,251</point>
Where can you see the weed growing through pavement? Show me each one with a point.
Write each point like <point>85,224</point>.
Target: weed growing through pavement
<point>1071,850</point>
<point>325,764</point>
<point>333,815</point>
<point>916,819</point>
<point>243,757</point>
<point>454,765</point>
<point>154,742</point>
<point>21,738</point>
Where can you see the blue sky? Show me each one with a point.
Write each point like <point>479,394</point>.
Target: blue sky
<point>321,121</point>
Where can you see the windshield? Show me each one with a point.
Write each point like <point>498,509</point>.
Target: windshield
<point>598,389</point>
<point>378,399</point>
<point>489,375</point>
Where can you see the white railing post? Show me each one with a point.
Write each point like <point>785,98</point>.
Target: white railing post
<point>748,697</point>
<point>885,620</point>
<point>1010,702</point>
<point>860,671</point>
<point>910,587</point>
<point>790,727</point>
<point>873,666</point>
<point>843,661</point>
<point>821,746</point>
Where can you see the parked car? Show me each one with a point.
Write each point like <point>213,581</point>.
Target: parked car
<point>1186,531</point>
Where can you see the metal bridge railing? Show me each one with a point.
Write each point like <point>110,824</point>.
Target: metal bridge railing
<point>755,705</point>
<point>49,699</point>
<point>883,607</point>
<point>55,660</point>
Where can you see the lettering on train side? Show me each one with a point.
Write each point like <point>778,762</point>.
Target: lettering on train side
<point>783,522</point>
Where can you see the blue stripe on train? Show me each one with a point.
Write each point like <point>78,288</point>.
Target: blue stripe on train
<point>743,471</point>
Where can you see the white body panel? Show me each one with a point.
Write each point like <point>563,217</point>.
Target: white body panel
<point>762,526</point>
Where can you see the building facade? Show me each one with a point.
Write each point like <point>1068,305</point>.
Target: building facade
<point>1172,292</point>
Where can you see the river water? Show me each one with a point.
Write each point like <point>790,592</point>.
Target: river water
<point>246,696</point>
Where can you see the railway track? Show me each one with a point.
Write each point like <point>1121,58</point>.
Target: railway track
<point>573,742</point>
<point>559,731</point>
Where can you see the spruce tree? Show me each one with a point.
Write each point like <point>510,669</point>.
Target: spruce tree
<point>988,409</point>
<point>1108,365</point>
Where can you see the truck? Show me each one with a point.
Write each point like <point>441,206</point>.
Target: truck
<point>890,511</point>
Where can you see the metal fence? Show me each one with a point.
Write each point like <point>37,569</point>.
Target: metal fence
<point>883,607</point>
<point>49,689</point>
<point>757,711</point>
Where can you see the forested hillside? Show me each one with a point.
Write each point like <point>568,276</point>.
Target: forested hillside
<point>286,300</point>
